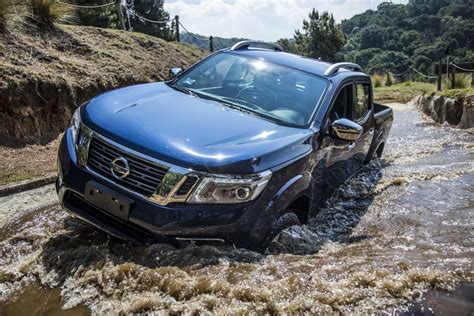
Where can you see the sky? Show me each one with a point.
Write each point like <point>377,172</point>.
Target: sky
<point>267,20</point>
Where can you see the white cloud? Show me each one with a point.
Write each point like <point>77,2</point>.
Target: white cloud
<point>258,19</point>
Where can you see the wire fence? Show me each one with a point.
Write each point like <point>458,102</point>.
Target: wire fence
<point>399,74</point>
<point>414,70</point>
<point>423,75</point>
<point>461,68</point>
<point>131,12</point>
<point>92,6</point>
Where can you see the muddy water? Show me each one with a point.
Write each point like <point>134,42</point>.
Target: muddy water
<point>400,227</point>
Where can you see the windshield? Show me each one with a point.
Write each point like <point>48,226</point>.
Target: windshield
<point>273,91</point>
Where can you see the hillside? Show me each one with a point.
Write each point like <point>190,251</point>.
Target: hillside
<point>46,75</point>
<point>202,41</point>
<point>397,36</point>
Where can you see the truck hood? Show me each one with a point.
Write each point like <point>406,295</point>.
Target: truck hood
<point>192,132</point>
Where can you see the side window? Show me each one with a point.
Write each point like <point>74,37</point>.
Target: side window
<point>361,106</point>
<point>342,104</point>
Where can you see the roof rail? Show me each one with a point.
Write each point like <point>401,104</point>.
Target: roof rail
<point>335,68</point>
<point>247,44</point>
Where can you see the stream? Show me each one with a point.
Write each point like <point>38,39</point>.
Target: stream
<point>390,237</point>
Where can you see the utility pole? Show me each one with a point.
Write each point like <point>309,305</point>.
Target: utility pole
<point>176,18</point>
<point>118,7</point>
<point>211,43</point>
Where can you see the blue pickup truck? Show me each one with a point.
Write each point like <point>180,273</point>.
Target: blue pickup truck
<point>236,148</point>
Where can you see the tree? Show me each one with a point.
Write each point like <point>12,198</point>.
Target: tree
<point>100,17</point>
<point>288,45</point>
<point>421,30</point>
<point>152,10</point>
<point>388,60</point>
<point>321,37</point>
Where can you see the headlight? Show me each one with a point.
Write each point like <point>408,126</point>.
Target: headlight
<point>229,189</point>
<point>75,125</point>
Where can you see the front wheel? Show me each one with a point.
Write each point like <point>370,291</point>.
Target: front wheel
<point>284,221</point>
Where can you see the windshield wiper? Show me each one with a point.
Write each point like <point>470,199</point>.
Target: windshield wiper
<point>182,89</point>
<point>240,102</point>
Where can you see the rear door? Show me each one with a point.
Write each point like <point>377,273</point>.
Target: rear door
<point>362,114</point>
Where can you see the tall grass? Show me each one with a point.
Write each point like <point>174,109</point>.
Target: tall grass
<point>462,81</point>
<point>382,80</point>
<point>377,80</point>
<point>45,13</point>
<point>5,6</point>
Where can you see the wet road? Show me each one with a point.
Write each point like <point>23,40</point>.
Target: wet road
<point>400,227</point>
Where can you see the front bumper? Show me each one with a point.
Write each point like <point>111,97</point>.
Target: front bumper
<point>146,219</point>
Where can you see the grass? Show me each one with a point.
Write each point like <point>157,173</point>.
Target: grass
<point>16,176</point>
<point>45,13</point>
<point>16,163</point>
<point>457,93</point>
<point>403,92</point>
<point>377,80</point>
<point>46,73</point>
<point>5,6</point>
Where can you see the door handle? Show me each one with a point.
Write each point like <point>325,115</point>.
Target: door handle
<point>351,146</point>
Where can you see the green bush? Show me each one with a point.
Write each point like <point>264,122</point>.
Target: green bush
<point>45,13</point>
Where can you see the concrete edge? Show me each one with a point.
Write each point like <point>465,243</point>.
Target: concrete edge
<point>26,185</point>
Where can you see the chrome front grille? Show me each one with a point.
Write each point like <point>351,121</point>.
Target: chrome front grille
<point>144,176</point>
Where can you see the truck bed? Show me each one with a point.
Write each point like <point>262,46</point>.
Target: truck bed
<point>382,113</point>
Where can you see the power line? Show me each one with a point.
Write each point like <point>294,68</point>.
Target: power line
<point>92,6</point>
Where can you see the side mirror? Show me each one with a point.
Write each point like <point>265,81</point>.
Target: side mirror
<point>346,129</point>
<point>175,71</point>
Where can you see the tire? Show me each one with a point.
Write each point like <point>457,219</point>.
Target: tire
<point>285,220</point>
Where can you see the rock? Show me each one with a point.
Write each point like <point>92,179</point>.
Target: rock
<point>467,118</point>
<point>453,111</point>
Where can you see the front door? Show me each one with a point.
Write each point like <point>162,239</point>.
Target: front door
<point>335,161</point>
<point>362,114</point>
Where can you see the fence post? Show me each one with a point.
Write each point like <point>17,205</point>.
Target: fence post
<point>388,82</point>
<point>118,7</point>
<point>176,18</point>
<point>438,88</point>
<point>211,43</point>
<point>453,77</point>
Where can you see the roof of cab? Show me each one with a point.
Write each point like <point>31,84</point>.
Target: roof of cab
<point>314,66</point>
